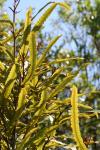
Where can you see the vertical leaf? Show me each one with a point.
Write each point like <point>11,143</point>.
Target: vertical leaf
<point>27,29</point>
<point>75,119</point>
<point>2,67</point>
<point>10,81</point>
<point>33,57</point>
<point>21,98</point>
<point>33,51</point>
<point>43,98</point>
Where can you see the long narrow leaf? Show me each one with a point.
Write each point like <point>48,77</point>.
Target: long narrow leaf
<point>33,57</point>
<point>61,86</point>
<point>27,29</point>
<point>10,81</point>
<point>26,138</point>
<point>44,17</point>
<point>21,99</point>
<point>43,56</point>
<point>75,119</point>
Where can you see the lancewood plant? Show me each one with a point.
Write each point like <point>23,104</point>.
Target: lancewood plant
<point>30,108</point>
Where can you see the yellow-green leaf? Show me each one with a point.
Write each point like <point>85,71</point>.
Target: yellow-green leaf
<point>44,17</point>
<point>27,29</point>
<point>10,81</point>
<point>49,81</point>
<point>33,57</point>
<point>21,98</point>
<point>75,119</point>
<point>43,56</point>
<point>61,86</point>
<point>43,98</point>
<point>65,5</point>
<point>2,67</point>
<point>26,138</point>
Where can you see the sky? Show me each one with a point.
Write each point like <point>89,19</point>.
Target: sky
<point>37,4</point>
<point>25,4</point>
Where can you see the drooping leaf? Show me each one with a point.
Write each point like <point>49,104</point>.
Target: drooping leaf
<point>65,5</point>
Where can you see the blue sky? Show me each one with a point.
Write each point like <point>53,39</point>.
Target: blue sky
<point>37,4</point>
<point>25,4</point>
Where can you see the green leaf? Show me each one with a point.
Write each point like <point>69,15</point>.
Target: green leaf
<point>75,119</point>
<point>33,51</point>
<point>61,86</point>
<point>49,81</point>
<point>7,52</point>
<point>65,5</point>
<point>26,138</point>
<point>46,14</point>
<point>84,106</point>
<point>21,99</point>
<point>7,22</point>
<point>65,60</point>
<point>27,29</point>
<point>51,129</point>
<point>10,81</point>
<point>43,56</point>
<point>44,17</point>
<point>2,67</point>
<point>43,98</point>
<point>33,57</point>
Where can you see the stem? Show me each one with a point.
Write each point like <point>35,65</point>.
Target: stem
<point>14,22</point>
<point>15,5</point>
<point>23,67</point>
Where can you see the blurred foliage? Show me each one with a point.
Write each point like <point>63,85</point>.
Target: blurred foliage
<point>2,3</point>
<point>81,30</point>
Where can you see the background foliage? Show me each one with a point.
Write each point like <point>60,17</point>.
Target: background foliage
<point>36,79</point>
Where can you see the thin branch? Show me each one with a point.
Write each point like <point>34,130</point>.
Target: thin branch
<point>18,1</point>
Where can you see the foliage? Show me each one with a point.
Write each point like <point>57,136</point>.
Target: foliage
<point>30,108</point>
<point>81,29</point>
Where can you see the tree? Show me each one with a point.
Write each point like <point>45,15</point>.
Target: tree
<point>82,31</point>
